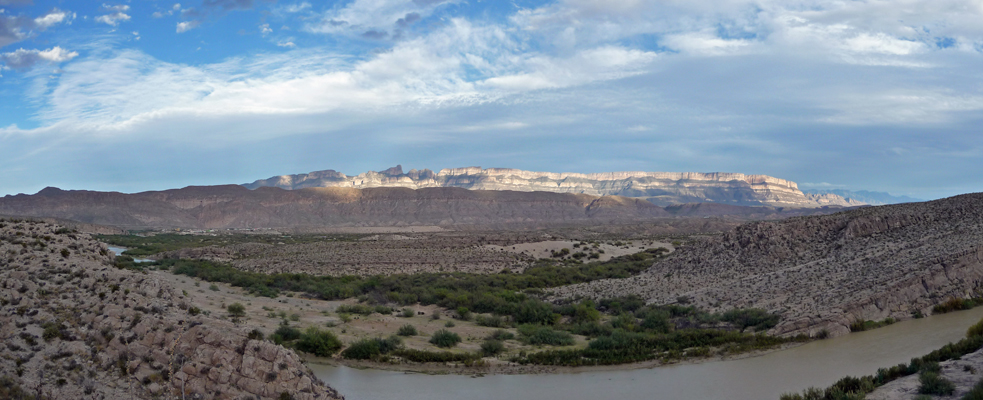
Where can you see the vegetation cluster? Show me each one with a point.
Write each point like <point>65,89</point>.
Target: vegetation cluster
<point>850,388</point>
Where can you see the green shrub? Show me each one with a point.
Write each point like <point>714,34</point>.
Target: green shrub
<point>493,321</point>
<point>360,309</point>
<point>236,312</point>
<point>383,310</point>
<point>256,334</point>
<point>463,313</point>
<point>285,333</point>
<point>364,349</point>
<point>501,335</point>
<point>407,313</point>
<point>544,335</point>
<point>932,383</point>
<point>318,342</point>
<point>407,330</point>
<point>492,347</point>
<point>445,338</point>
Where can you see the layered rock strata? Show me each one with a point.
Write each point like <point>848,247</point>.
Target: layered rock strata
<point>662,188</point>
<point>74,326</point>
<point>825,272</point>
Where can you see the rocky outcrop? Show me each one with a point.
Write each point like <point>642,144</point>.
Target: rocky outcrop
<point>74,326</point>
<point>662,188</point>
<point>824,272</point>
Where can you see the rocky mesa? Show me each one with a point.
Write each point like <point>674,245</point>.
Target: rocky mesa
<point>661,188</point>
<point>74,326</point>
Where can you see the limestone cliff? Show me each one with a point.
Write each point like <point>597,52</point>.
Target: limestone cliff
<point>661,188</point>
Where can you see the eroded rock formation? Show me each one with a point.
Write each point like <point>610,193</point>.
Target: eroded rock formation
<point>74,326</point>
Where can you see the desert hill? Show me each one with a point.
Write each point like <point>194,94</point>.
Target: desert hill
<point>74,326</point>
<point>825,272</point>
<point>661,188</point>
<point>236,207</point>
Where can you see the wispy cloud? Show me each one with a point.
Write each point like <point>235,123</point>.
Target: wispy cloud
<point>374,19</point>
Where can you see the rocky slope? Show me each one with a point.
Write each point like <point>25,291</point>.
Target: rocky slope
<point>662,188</point>
<point>233,206</point>
<point>824,272</point>
<point>73,326</point>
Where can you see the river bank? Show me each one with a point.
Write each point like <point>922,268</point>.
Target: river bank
<point>766,376</point>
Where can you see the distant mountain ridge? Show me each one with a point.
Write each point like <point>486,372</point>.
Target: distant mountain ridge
<point>312,209</point>
<point>865,196</point>
<point>660,188</point>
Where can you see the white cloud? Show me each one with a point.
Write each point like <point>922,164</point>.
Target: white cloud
<point>286,43</point>
<point>265,29</point>
<point>187,25</point>
<point>117,14</point>
<point>24,59</point>
<point>53,18</point>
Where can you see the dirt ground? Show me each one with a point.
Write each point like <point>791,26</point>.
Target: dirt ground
<point>610,249</point>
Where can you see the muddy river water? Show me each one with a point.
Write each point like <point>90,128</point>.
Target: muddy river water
<point>819,363</point>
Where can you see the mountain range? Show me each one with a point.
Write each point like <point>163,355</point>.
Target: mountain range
<point>659,188</point>
<point>865,196</point>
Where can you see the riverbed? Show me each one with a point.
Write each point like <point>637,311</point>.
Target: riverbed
<point>818,363</point>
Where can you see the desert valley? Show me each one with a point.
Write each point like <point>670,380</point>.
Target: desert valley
<point>238,291</point>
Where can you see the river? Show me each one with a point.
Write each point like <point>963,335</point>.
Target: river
<point>818,363</point>
<point>119,251</point>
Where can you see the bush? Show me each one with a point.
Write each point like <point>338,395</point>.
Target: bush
<point>364,349</point>
<point>540,335</point>
<point>318,342</point>
<point>360,309</point>
<point>236,312</point>
<point>463,313</point>
<point>932,383</point>
<point>407,330</point>
<point>501,335</point>
<point>285,333</point>
<point>445,338</point>
<point>256,334</point>
<point>492,347</point>
<point>407,313</point>
<point>492,321</point>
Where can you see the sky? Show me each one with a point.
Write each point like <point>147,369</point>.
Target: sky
<point>150,95</point>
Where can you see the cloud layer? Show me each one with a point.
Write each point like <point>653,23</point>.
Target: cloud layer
<point>768,87</point>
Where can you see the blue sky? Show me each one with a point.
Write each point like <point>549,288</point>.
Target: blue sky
<point>147,95</point>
